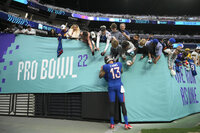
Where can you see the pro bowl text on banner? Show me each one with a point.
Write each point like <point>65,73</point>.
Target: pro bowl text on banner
<point>36,69</point>
<point>185,94</point>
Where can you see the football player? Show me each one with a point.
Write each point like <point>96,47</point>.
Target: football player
<point>112,73</point>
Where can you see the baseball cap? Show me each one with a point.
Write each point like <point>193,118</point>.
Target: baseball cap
<point>187,49</point>
<point>198,47</point>
<point>155,41</point>
<point>172,40</point>
<point>63,27</point>
<point>103,28</point>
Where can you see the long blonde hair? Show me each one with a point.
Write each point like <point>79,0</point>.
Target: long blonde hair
<point>142,42</point>
<point>75,25</point>
<point>74,33</point>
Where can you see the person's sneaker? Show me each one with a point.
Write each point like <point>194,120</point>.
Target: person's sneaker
<point>127,126</point>
<point>112,126</point>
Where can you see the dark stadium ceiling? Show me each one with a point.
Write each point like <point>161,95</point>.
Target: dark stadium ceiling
<point>134,7</point>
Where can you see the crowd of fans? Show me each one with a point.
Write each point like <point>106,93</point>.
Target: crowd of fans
<point>126,47</point>
<point>123,45</point>
<point>18,29</point>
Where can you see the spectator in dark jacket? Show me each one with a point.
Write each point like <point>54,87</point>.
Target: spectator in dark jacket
<point>142,49</point>
<point>52,33</point>
<point>125,33</point>
<point>115,50</point>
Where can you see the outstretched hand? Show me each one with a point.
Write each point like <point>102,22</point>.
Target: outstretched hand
<point>101,67</point>
<point>103,53</point>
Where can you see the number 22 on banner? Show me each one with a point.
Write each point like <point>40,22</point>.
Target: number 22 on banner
<point>84,58</point>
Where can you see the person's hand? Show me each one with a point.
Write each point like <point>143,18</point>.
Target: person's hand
<point>131,63</point>
<point>26,32</point>
<point>154,61</point>
<point>170,67</point>
<point>123,33</point>
<point>92,52</point>
<point>97,49</point>
<point>124,58</point>
<point>59,34</point>
<point>103,53</point>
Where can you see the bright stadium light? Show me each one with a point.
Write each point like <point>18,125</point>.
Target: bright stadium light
<point>22,1</point>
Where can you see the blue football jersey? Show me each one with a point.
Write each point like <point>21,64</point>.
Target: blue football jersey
<point>103,38</point>
<point>193,67</point>
<point>64,34</point>
<point>113,74</point>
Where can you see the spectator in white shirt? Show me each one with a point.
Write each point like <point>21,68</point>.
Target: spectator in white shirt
<point>196,55</point>
<point>29,31</point>
<point>74,32</point>
<point>103,36</point>
<point>173,55</point>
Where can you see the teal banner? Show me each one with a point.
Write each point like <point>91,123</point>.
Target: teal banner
<point>152,94</point>
<point>35,67</point>
<point>29,64</point>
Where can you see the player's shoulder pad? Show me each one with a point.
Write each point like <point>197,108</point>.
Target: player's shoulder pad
<point>105,67</point>
<point>119,63</point>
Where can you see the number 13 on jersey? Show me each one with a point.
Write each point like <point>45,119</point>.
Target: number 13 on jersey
<point>117,74</point>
